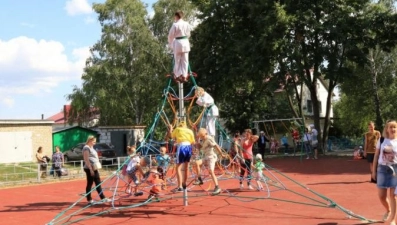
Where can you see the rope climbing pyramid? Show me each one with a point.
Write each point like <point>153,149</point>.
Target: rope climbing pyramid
<point>125,192</point>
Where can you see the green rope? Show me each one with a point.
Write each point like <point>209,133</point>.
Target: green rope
<point>191,76</point>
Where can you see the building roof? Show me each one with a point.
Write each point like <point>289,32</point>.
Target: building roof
<point>61,129</point>
<point>58,118</point>
<point>26,121</point>
<point>61,117</point>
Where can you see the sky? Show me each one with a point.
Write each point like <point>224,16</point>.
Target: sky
<point>43,48</point>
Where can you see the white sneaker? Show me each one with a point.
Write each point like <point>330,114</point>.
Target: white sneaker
<point>241,186</point>
<point>250,187</point>
<point>91,202</point>
<point>106,200</point>
<point>308,158</point>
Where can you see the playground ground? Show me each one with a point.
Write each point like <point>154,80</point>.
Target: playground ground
<point>344,181</point>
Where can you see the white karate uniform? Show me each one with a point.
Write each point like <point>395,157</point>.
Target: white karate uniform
<point>207,101</point>
<point>180,47</point>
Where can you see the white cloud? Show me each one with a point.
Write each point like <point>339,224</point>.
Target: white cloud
<point>7,101</point>
<point>32,66</point>
<point>78,7</point>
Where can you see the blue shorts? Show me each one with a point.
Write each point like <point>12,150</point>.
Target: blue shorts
<point>385,178</point>
<point>183,153</point>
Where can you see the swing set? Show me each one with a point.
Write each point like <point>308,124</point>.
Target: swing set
<point>269,126</point>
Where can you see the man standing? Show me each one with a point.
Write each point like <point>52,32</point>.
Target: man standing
<point>209,158</point>
<point>178,41</point>
<point>371,138</point>
<point>184,139</point>
<point>262,143</point>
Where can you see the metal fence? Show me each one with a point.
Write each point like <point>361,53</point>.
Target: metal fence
<point>30,172</point>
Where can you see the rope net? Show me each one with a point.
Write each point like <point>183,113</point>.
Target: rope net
<point>126,192</point>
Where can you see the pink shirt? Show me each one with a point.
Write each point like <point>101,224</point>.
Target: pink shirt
<point>247,146</point>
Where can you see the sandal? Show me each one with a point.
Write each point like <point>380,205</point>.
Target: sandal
<point>385,216</point>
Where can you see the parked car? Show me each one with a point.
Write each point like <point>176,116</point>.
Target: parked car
<point>106,153</point>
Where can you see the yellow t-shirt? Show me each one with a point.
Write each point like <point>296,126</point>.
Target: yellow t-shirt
<point>183,134</point>
<point>371,138</point>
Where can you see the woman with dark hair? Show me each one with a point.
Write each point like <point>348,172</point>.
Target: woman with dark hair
<point>42,160</point>
<point>57,162</point>
<point>178,42</point>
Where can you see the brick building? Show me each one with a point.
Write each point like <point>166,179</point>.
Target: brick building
<point>20,139</point>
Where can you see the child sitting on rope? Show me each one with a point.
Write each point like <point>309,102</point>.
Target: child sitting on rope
<point>134,166</point>
<point>257,171</point>
<point>211,111</point>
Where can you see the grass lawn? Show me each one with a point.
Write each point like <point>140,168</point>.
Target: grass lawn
<point>17,172</point>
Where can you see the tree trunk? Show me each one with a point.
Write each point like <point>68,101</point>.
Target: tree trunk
<point>374,72</point>
<point>291,104</point>
<point>299,98</point>
<point>327,123</point>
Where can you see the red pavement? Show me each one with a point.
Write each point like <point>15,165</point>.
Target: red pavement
<point>340,179</point>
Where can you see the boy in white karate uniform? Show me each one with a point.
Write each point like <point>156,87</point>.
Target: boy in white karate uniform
<point>178,42</point>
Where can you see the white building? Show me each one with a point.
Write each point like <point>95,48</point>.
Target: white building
<point>307,103</point>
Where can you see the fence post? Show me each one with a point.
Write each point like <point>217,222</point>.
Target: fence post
<point>118,162</point>
<point>38,173</point>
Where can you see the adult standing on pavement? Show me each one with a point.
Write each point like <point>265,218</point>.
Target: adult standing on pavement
<point>262,143</point>
<point>370,140</point>
<point>91,169</point>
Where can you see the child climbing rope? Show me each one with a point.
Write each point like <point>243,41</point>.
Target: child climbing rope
<point>212,111</point>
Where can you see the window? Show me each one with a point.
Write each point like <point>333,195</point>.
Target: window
<point>309,106</point>
<point>320,108</point>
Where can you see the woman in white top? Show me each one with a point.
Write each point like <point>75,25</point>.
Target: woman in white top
<point>91,169</point>
<point>385,163</point>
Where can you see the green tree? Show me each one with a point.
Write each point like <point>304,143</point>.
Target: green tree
<point>356,106</point>
<point>233,49</point>
<point>123,78</point>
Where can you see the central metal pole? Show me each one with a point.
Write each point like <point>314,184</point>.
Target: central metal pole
<point>181,103</point>
<point>182,118</point>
